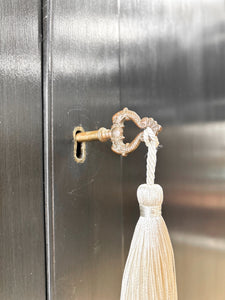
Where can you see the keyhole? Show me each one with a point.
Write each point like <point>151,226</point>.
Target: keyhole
<point>78,151</point>
<point>79,147</point>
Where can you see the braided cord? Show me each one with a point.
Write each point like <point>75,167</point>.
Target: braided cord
<point>152,142</point>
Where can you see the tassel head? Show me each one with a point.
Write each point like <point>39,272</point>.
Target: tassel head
<point>150,195</point>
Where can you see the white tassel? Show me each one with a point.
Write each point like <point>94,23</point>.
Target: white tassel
<point>150,270</point>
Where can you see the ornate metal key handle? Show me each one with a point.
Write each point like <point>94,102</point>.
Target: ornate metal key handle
<point>116,132</point>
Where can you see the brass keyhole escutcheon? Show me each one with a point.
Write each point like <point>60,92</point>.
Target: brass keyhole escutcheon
<point>79,146</point>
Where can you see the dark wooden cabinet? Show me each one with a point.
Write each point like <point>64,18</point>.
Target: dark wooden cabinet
<point>65,228</point>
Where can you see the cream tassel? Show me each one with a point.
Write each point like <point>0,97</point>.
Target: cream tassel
<point>150,270</point>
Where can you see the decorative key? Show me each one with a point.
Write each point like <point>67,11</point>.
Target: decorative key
<point>116,132</point>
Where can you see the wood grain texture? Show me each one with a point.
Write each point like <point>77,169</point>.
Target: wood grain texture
<point>22,271</point>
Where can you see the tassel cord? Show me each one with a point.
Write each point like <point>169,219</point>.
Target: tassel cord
<point>152,142</point>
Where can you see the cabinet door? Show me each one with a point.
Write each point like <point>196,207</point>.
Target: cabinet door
<point>163,59</point>
<point>173,68</point>
<point>22,246</point>
<point>85,200</point>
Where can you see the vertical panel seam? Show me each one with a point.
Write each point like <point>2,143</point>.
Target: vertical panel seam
<point>48,144</point>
